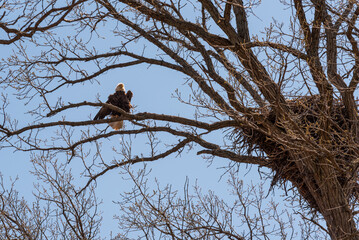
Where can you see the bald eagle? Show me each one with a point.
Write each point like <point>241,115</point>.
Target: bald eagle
<point>119,99</point>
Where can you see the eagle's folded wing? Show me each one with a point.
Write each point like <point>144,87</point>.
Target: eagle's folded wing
<point>129,95</point>
<point>104,111</point>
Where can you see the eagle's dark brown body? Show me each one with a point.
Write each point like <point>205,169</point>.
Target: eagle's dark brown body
<point>119,99</point>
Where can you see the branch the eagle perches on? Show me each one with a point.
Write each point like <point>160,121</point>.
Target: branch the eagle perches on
<point>251,133</point>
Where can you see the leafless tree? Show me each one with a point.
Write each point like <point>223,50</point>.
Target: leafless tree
<point>58,211</point>
<point>281,99</point>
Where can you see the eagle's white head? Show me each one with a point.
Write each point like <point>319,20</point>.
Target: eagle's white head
<point>120,87</point>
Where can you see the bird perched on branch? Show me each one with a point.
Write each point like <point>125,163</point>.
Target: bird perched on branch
<point>119,99</point>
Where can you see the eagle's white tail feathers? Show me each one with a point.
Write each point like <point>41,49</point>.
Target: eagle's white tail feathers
<point>116,125</point>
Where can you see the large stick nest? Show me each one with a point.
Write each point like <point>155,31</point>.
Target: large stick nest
<point>307,114</point>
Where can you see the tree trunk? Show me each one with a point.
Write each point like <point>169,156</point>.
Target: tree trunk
<point>331,198</point>
<point>335,210</point>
